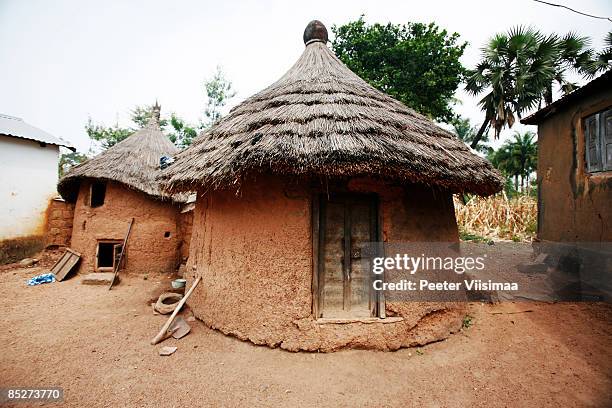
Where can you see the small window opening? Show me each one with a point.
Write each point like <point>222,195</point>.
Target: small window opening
<point>108,255</point>
<point>167,234</point>
<point>98,192</point>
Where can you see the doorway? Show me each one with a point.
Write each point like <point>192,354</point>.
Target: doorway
<point>107,255</point>
<point>346,223</point>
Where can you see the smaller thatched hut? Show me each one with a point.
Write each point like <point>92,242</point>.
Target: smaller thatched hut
<point>120,184</point>
<point>292,184</point>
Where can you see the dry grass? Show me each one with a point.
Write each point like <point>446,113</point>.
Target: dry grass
<point>497,217</point>
<point>133,162</point>
<point>321,119</point>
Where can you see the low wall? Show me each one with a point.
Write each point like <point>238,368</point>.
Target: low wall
<point>60,216</point>
<point>15,249</point>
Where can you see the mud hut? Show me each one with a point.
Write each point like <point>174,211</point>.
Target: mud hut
<point>290,184</point>
<point>120,184</point>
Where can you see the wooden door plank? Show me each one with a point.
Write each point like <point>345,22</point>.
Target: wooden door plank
<point>316,257</point>
<point>60,264</point>
<point>380,251</point>
<point>73,260</point>
<point>346,264</point>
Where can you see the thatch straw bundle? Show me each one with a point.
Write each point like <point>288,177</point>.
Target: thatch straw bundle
<point>498,217</point>
<point>133,162</point>
<point>322,119</point>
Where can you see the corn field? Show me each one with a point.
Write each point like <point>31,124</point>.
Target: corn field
<point>497,217</point>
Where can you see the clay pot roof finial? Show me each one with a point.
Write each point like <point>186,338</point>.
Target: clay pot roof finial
<point>155,115</point>
<point>315,31</point>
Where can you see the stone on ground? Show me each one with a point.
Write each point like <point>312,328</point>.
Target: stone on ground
<point>167,350</point>
<point>99,278</point>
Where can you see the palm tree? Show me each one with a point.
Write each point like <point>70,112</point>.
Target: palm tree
<point>518,71</point>
<point>466,133</point>
<point>604,57</point>
<point>573,55</point>
<point>517,158</point>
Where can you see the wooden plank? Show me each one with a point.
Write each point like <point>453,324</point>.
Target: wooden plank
<point>70,264</point>
<point>380,251</point>
<point>72,251</point>
<point>65,264</point>
<point>347,257</point>
<point>60,264</point>
<point>127,235</point>
<point>373,240</point>
<point>321,255</point>
<point>315,255</point>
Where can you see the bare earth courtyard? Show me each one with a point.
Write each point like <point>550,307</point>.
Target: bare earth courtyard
<point>95,345</point>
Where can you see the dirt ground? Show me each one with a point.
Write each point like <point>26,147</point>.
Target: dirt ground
<point>95,344</point>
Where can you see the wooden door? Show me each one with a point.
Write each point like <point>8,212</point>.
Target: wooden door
<point>347,222</point>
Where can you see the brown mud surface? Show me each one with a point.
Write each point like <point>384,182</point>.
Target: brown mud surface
<point>95,345</point>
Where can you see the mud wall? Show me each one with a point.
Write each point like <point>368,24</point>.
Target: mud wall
<point>186,227</point>
<point>254,252</point>
<point>60,216</point>
<point>573,204</point>
<point>148,249</point>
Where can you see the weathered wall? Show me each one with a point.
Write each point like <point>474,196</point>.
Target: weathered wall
<point>573,204</point>
<point>60,216</point>
<point>254,252</point>
<point>27,183</point>
<point>147,250</point>
<point>186,227</point>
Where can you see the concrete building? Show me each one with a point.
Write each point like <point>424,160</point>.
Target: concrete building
<point>28,179</point>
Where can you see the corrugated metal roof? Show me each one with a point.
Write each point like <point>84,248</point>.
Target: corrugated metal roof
<point>16,127</point>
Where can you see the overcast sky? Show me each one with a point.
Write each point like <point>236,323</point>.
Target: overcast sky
<point>65,61</point>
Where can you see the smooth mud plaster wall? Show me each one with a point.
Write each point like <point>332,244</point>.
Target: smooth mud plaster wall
<point>147,250</point>
<point>254,253</point>
<point>573,204</point>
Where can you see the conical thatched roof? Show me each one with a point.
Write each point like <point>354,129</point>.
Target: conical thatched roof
<point>133,162</point>
<point>322,119</point>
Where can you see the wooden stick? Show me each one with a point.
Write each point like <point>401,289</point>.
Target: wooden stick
<point>519,311</point>
<point>163,332</point>
<point>116,271</point>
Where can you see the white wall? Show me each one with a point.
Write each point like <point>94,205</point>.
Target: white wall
<point>28,178</point>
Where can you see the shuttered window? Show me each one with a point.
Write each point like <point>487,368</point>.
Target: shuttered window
<point>598,141</point>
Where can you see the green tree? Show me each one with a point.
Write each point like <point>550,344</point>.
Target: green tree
<point>178,130</point>
<point>107,136</point>
<point>68,161</point>
<point>141,114</point>
<point>604,57</point>
<point>415,63</point>
<point>183,133</point>
<point>518,70</point>
<point>466,133</point>
<point>517,158</point>
<point>218,91</point>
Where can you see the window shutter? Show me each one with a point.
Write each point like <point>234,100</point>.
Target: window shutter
<point>593,145</point>
<point>606,139</point>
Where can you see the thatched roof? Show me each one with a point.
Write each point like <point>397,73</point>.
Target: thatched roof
<point>322,119</point>
<point>133,162</point>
